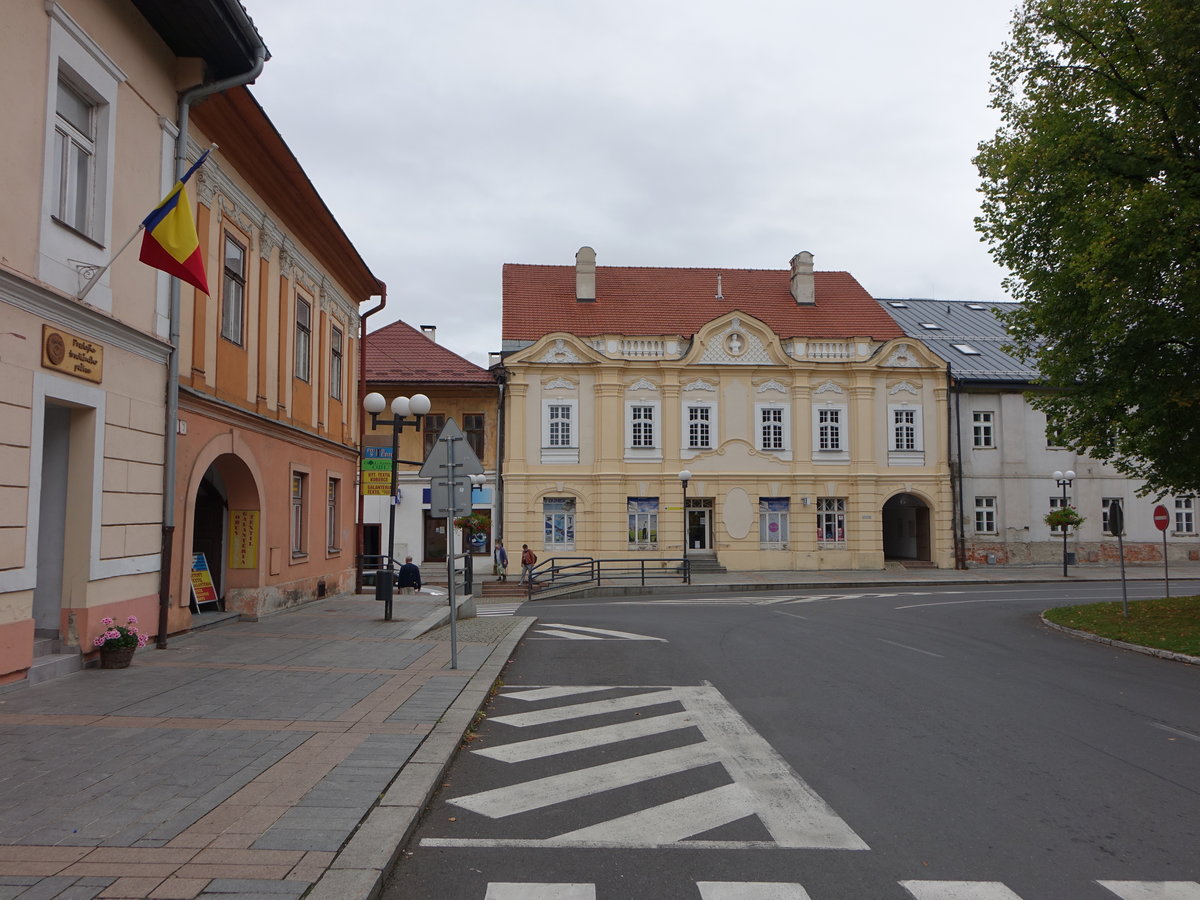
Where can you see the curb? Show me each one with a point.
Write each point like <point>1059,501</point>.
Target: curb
<point>1123,645</point>
<point>439,617</point>
<point>361,867</point>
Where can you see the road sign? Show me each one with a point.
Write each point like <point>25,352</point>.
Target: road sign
<point>443,502</point>
<point>1162,518</point>
<point>437,463</point>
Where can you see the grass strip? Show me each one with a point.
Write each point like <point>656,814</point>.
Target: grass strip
<point>1167,623</point>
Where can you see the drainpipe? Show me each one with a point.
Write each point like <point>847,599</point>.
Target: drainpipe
<point>956,480</point>
<point>186,99</point>
<point>501,376</point>
<point>362,429</point>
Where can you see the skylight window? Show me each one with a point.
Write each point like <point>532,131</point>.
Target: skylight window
<point>930,326</point>
<point>966,349</point>
<point>897,304</point>
<point>976,306</point>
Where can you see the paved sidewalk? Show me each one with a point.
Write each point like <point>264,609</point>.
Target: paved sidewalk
<point>246,760</point>
<point>287,757</point>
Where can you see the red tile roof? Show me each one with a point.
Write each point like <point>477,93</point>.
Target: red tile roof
<point>539,300</point>
<point>399,352</point>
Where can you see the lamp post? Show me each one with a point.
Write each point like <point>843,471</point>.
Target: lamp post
<point>684,477</point>
<point>402,407</point>
<point>1063,480</point>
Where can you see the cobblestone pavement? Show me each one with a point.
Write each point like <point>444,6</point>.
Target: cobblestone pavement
<point>252,759</point>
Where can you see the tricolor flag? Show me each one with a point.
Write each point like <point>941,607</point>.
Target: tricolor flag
<point>170,241</point>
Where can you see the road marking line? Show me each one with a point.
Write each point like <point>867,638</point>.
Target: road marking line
<point>1153,890</point>
<point>516,891</point>
<point>750,890</point>
<point>955,602</point>
<point>674,821</point>
<point>538,748</point>
<point>552,693</point>
<point>542,792</point>
<point>958,890</point>
<point>914,649</point>
<point>627,635</point>
<point>1186,734</point>
<point>580,710</point>
<point>571,636</point>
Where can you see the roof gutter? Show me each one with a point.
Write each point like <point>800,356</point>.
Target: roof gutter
<point>186,99</point>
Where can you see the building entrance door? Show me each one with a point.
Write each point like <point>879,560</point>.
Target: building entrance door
<point>699,524</point>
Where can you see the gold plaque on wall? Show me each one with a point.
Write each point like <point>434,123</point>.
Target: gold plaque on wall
<point>71,354</point>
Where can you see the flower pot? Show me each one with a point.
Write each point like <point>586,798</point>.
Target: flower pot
<point>116,658</point>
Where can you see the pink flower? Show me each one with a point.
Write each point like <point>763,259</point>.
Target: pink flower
<point>107,620</point>
<point>112,634</point>
<point>132,620</point>
<point>98,642</point>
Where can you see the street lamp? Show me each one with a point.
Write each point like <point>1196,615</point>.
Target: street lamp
<point>402,407</point>
<point>684,477</point>
<point>1063,480</point>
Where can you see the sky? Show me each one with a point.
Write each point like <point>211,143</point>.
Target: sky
<point>449,138</point>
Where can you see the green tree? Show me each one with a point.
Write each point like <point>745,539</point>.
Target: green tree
<point>1092,202</point>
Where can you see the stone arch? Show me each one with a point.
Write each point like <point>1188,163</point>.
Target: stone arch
<point>907,527</point>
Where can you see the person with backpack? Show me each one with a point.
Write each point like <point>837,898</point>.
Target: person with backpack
<point>528,561</point>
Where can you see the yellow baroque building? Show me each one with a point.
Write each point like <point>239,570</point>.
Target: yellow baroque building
<point>778,418</point>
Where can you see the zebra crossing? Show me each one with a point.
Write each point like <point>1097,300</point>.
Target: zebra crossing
<point>755,788</point>
<point>919,890</point>
<point>584,633</point>
<point>497,609</point>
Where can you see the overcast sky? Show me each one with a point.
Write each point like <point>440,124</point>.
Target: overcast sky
<point>449,138</point>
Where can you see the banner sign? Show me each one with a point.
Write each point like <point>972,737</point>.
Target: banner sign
<point>243,539</point>
<point>203,589</point>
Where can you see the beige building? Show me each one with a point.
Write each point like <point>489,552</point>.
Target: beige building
<point>114,474</point>
<point>814,431</point>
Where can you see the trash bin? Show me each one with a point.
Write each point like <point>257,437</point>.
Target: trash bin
<point>1070,558</point>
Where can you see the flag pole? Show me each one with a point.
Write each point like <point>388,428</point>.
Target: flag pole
<point>125,246</point>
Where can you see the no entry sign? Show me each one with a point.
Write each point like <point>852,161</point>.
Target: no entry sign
<point>1162,518</point>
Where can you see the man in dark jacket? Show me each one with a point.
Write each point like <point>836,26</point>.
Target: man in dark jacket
<point>408,579</point>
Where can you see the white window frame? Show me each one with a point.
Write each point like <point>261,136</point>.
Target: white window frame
<point>710,411</point>
<point>558,521</point>
<point>333,493</point>
<point>234,288</point>
<point>642,425</point>
<point>642,521</point>
<point>302,364</point>
<point>565,446</point>
<point>337,340</point>
<point>831,511</point>
<point>75,160</point>
<point>777,538</point>
<point>1185,515</point>
<point>985,515</point>
<point>823,449</point>
<point>906,435</point>
<point>66,255</point>
<point>983,429</point>
<point>1104,505</point>
<point>299,513</point>
<point>773,428</point>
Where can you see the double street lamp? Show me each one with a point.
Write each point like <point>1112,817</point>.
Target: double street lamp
<point>1063,480</point>
<point>402,407</point>
<point>684,477</point>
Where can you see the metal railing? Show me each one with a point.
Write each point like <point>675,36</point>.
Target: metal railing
<point>573,571</point>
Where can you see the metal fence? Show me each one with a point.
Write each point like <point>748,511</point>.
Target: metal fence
<point>575,571</point>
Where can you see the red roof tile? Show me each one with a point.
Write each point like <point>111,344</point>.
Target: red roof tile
<point>539,300</point>
<point>399,352</point>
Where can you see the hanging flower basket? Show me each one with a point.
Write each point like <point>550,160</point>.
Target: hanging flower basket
<point>1064,517</point>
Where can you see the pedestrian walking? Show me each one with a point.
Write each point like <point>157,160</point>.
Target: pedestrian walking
<point>500,560</point>
<point>528,561</point>
<point>408,579</point>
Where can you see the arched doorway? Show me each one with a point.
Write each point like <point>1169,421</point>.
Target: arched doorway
<point>226,510</point>
<point>906,528</point>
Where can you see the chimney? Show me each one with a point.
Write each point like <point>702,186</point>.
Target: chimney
<point>430,331</point>
<point>802,279</point>
<point>585,275</point>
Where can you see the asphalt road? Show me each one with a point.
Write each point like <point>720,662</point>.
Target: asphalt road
<point>938,744</point>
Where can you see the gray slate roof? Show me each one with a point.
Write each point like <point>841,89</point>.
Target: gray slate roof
<point>966,323</point>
